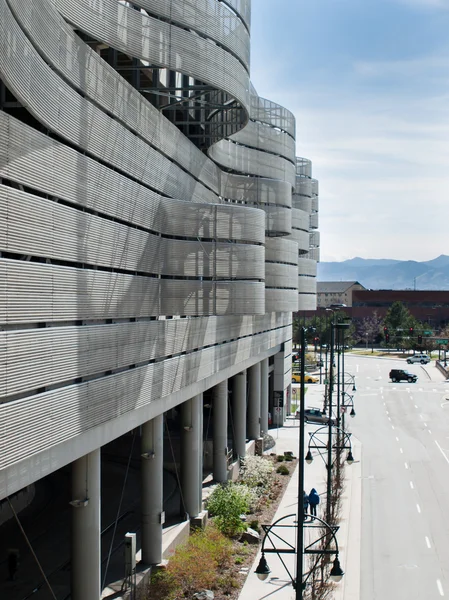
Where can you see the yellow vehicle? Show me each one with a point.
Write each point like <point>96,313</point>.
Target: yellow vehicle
<point>296,378</point>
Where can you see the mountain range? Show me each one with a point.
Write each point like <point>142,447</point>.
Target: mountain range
<point>389,274</point>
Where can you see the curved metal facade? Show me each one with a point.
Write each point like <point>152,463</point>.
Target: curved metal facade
<point>153,215</point>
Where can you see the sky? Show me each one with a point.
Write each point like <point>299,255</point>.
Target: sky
<point>368,83</point>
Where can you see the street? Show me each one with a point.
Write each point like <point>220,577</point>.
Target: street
<point>404,431</point>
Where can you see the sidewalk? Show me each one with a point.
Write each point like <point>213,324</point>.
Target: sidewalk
<point>278,585</point>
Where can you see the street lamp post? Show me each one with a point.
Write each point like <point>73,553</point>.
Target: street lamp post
<point>263,570</point>
<point>300,531</point>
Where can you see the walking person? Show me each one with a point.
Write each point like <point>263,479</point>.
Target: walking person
<point>314,500</point>
<point>305,504</point>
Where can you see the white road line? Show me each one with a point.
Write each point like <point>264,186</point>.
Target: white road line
<point>425,424</point>
<point>429,431</point>
<point>392,427</point>
<point>401,450</point>
<point>418,508</point>
<point>389,418</point>
<point>387,412</point>
<point>440,587</point>
<point>397,439</point>
<point>442,451</point>
<point>411,485</point>
<point>416,406</point>
<point>421,417</point>
<point>406,465</point>
<point>428,542</point>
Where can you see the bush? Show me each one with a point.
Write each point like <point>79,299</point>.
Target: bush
<point>282,470</point>
<point>226,503</point>
<point>254,525</point>
<point>193,566</point>
<point>280,458</point>
<point>255,472</point>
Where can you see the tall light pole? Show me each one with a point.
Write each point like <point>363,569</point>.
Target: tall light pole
<point>329,446</point>
<point>300,530</point>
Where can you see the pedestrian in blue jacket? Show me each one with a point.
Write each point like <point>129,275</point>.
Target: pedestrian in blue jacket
<point>305,503</point>
<point>314,500</point>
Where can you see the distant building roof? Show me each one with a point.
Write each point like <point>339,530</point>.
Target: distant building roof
<point>334,287</point>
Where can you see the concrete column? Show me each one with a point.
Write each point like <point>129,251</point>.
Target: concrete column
<point>264,396</point>
<point>220,423</point>
<point>86,531</point>
<point>152,481</point>
<point>254,402</point>
<point>191,454</point>
<point>239,412</point>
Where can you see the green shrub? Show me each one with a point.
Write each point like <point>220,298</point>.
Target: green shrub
<point>282,470</point>
<point>254,525</point>
<point>226,503</point>
<point>193,566</point>
<point>280,458</point>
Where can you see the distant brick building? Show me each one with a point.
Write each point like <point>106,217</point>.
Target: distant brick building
<point>430,307</point>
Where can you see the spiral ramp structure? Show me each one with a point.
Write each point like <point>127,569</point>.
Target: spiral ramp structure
<point>305,232</point>
<point>156,229</point>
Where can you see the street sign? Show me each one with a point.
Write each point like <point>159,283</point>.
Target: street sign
<point>441,341</point>
<point>428,332</point>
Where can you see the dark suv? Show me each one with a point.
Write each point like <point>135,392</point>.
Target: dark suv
<point>401,375</point>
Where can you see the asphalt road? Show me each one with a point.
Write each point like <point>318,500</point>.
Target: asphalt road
<point>404,430</point>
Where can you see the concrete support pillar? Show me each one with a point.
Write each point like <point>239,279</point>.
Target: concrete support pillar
<point>152,482</point>
<point>192,454</point>
<point>220,423</point>
<point>86,497</point>
<point>264,396</point>
<point>239,412</point>
<point>254,402</point>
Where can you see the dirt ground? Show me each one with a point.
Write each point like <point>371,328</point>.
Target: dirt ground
<point>245,554</point>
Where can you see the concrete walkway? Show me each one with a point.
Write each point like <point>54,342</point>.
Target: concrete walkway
<point>278,584</point>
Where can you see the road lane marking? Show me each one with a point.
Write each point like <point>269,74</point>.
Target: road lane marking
<point>411,485</point>
<point>392,427</point>
<point>418,508</point>
<point>442,451</point>
<point>401,450</point>
<point>389,418</point>
<point>440,587</point>
<point>428,542</point>
<point>416,406</point>
<point>425,424</point>
<point>397,439</point>
<point>406,465</point>
<point>421,417</point>
<point>387,412</point>
<point>429,431</point>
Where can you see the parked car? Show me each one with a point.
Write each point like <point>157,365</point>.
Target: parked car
<point>315,415</point>
<point>401,375</point>
<point>296,378</point>
<point>419,358</point>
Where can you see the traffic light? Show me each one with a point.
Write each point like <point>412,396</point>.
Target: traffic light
<point>387,337</point>
<point>295,358</point>
<point>411,331</point>
<point>419,339</point>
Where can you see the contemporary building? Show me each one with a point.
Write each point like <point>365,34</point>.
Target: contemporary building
<point>156,233</point>
<point>336,292</point>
